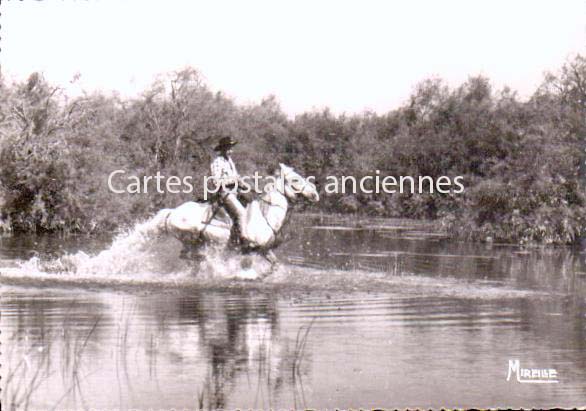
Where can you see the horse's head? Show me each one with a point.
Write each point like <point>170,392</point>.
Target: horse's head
<point>295,184</point>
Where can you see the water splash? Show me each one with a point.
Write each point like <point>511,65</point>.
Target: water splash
<point>139,250</point>
<point>141,255</point>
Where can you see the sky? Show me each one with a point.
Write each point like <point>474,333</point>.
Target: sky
<point>351,56</point>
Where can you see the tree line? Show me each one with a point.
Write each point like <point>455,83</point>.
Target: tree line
<point>522,160</point>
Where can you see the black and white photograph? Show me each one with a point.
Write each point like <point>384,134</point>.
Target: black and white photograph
<point>292,205</point>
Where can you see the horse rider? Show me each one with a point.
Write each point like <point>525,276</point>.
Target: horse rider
<point>226,177</point>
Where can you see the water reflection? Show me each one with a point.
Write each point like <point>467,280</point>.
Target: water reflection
<point>210,346</point>
<point>228,350</point>
<point>393,319</point>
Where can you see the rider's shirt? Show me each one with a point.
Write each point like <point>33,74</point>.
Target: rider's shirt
<point>224,171</point>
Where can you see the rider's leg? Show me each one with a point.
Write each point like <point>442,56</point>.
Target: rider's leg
<point>233,205</point>
<point>236,211</point>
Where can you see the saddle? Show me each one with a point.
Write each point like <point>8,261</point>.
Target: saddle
<point>217,212</point>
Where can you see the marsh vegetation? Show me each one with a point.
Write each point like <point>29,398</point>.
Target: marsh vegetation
<point>522,160</point>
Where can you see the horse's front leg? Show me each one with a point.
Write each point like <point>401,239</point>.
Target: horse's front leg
<point>271,258</point>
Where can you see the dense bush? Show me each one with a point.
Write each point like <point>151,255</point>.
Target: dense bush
<point>522,161</point>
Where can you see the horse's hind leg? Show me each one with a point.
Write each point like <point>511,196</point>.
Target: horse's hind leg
<point>185,251</point>
<point>190,250</point>
<point>192,253</point>
<point>196,261</point>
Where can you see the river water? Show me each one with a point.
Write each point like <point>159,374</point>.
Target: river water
<point>382,313</point>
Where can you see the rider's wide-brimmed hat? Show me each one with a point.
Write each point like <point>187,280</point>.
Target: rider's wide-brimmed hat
<point>225,143</point>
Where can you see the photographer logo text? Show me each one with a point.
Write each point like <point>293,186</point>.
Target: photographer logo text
<point>531,375</point>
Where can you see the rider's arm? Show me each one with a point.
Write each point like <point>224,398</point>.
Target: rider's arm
<point>237,177</point>
<point>233,171</point>
<point>216,168</point>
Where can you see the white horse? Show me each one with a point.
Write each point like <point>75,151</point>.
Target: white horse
<point>198,223</point>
